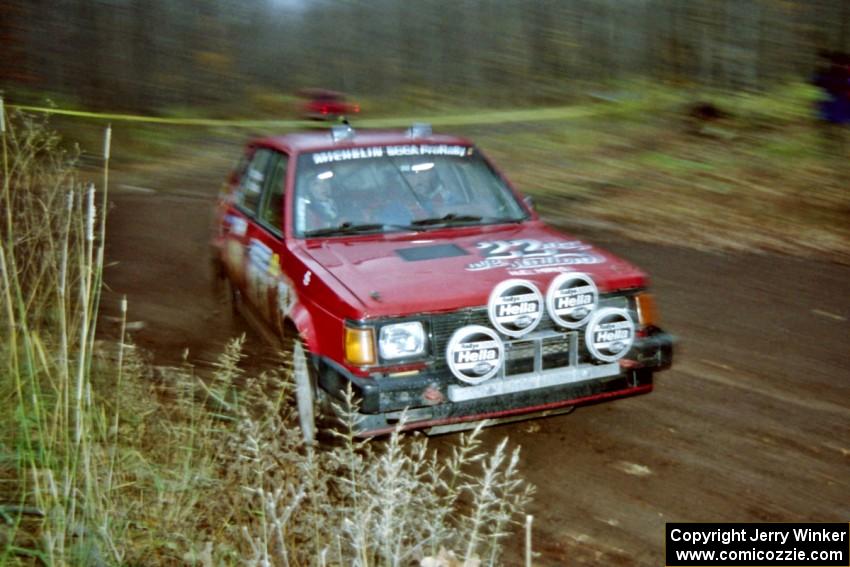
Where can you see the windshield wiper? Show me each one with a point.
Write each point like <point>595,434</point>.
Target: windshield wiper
<point>344,228</point>
<point>352,228</point>
<point>415,225</point>
<point>454,218</point>
<point>448,219</point>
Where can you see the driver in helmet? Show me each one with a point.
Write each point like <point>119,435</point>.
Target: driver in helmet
<point>429,191</point>
<point>322,209</point>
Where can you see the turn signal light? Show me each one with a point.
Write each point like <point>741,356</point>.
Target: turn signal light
<point>647,311</point>
<point>359,346</point>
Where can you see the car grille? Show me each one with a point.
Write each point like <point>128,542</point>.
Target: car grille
<point>520,353</point>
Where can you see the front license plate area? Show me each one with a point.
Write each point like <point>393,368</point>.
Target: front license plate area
<point>500,386</point>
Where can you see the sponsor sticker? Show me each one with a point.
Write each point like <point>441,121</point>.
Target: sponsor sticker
<point>274,265</point>
<point>237,225</point>
<point>610,334</point>
<point>259,255</point>
<point>528,256</point>
<point>259,275</point>
<point>475,354</point>
<point>285,299</point>
<point>571,299</point>
<point>515,307</point>
<point>391,151</point>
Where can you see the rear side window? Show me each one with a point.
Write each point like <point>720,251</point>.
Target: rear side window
<point>271,212</point>
<point>251,185</point>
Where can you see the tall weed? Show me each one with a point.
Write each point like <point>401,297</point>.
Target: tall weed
<point>105,459</point>
<point>55,441</point>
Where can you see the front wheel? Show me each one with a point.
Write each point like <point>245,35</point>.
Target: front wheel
<point>305,386</point>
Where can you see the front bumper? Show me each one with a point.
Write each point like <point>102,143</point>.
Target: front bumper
<point>430,399</point>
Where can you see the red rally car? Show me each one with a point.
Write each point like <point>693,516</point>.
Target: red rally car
<point>322,104</point>
<point>403,264</point>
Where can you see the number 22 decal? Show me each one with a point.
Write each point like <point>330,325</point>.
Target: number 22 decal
<point>525,248</point>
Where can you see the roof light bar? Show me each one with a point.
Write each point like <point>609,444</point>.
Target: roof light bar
<point>340,132</point>
<point>419,130</point>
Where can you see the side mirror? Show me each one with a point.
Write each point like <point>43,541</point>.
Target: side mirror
<point>529,202</point>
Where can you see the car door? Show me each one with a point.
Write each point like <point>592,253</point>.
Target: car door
<point>267,285</point>
<point>240,215</point>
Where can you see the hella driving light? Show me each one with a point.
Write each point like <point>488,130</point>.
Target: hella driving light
<point>401,340</point>
<point>475,353</point>
<point>610,334</point>
<point>515,307</point>
<point>571,299</point>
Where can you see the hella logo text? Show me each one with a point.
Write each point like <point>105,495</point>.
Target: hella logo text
<point>479,355</point>
<point>608,336</point>
<point>506,310</point>
<point>579,300</point>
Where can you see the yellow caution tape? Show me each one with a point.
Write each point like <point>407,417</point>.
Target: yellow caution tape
<point>157,119</point>
<point>466,119</point>
<point>492,117</point>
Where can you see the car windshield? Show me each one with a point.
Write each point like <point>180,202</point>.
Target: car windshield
<point>395,188</point>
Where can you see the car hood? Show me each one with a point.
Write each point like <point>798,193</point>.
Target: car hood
<point>405,273</point>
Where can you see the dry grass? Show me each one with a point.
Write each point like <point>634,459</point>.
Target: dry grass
<point>105,459</point>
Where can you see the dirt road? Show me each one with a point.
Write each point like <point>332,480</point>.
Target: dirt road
<point>752,423</point>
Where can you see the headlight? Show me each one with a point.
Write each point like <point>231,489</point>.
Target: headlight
<point>401,340</point>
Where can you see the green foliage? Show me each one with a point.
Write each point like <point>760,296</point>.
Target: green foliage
<point>784,103</point>
<point>671,164</point>
<point>650,169</point>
